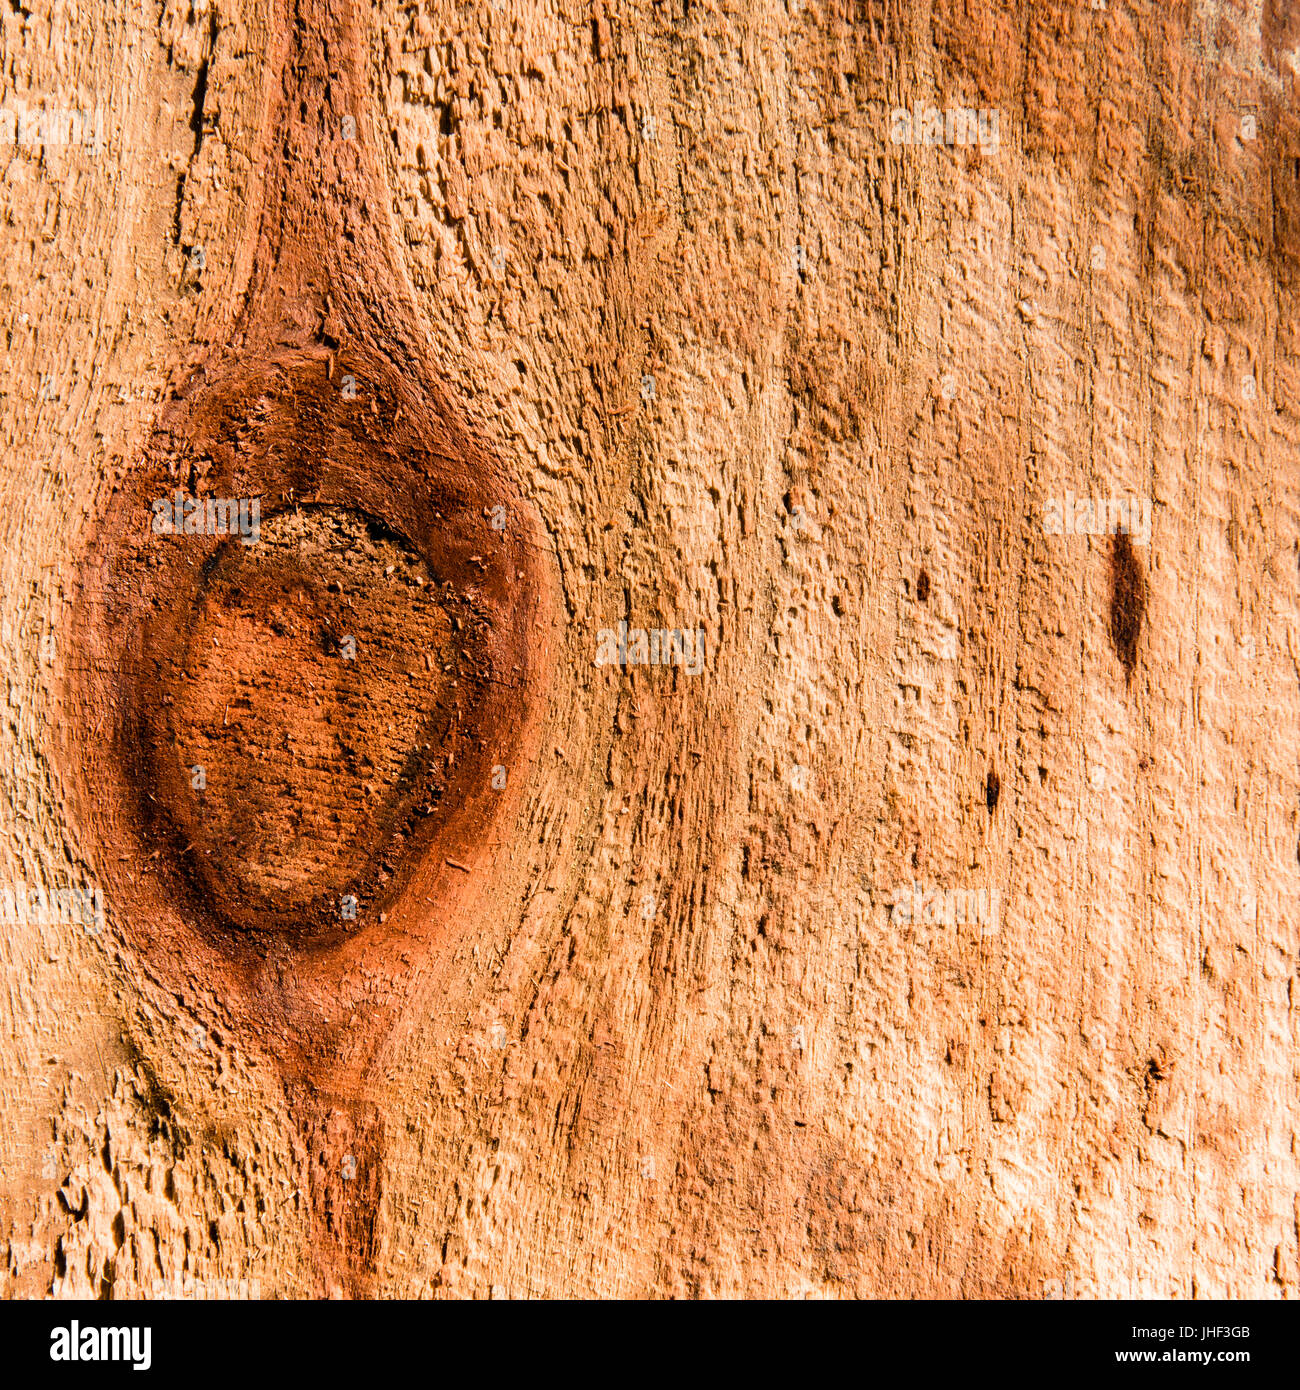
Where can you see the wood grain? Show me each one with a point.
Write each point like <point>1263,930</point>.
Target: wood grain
<point>658,283</point>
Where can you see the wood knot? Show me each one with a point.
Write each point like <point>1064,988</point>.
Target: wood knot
<point>1128,601</point>
<point>309,630</point>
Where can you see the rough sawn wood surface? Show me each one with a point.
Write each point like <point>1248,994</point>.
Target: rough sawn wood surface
<point>761,371</point>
